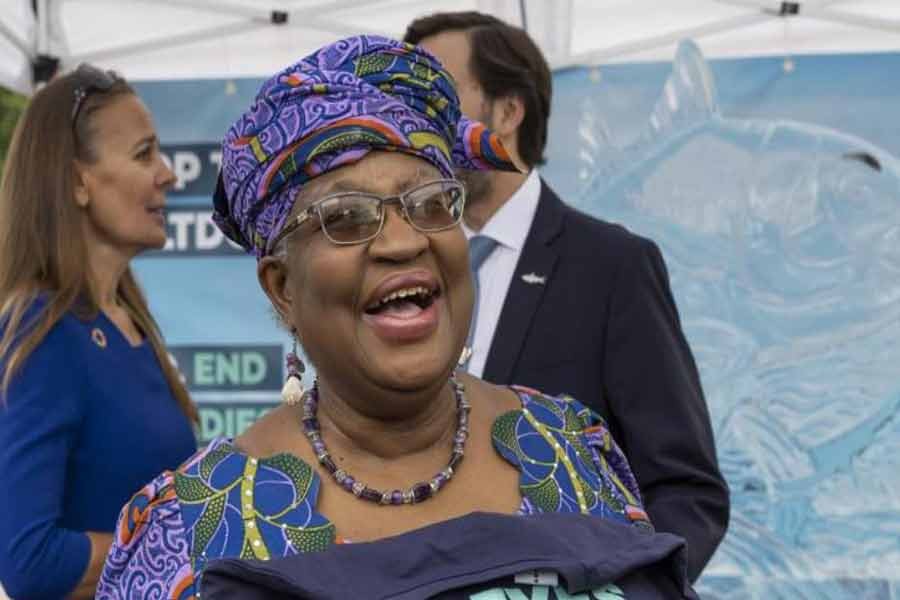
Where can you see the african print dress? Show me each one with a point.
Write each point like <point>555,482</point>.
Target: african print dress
<point>225,504</point>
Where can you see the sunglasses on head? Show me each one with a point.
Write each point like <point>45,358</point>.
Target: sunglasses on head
<point>357,217</point>
<point>88,80</point>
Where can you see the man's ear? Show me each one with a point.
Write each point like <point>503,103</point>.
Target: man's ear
<point>79,185</point>
<point>272,275</point>
<point>509,112</point>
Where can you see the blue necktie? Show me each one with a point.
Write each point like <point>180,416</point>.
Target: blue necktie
<point>480,247</point>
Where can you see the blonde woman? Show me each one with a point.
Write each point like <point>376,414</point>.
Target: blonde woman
<point>91,407</point>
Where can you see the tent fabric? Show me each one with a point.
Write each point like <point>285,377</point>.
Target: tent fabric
<point>187,39</point>
<point>17,39</point>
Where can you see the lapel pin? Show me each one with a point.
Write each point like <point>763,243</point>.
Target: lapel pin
<point>99,337</point>
<point>534,279</point>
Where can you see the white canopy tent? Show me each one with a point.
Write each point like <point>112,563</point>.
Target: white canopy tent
<point>189,39</point>
<point>173,39</point>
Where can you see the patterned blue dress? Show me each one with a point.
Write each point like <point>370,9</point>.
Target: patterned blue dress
<point>223,503</point>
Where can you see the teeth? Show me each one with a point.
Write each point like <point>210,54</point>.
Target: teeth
<point>404,293</point>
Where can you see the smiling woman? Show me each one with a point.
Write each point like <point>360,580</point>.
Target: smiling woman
<point>91,406</point>
<point>341,180</point>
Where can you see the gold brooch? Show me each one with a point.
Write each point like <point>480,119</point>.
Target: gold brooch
<point>99,337</point>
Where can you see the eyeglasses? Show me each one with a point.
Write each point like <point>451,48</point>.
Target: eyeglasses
<point>357,217</point>
<point>89,80</point>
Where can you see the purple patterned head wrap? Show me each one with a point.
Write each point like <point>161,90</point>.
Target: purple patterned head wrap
<point>360,94</point>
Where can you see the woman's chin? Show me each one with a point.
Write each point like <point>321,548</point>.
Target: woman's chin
<point>410,364</point>
<point>421,371</point>
<point>158,239</point>
<point>150,240</point>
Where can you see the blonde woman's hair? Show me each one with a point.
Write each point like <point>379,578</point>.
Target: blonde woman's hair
<point>42,249</point>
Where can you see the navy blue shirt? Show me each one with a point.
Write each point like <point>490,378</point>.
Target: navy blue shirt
<point>481,556</point>
<point>86,422</point>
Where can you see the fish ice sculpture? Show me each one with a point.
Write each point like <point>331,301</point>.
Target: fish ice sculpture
<point>782,240</point>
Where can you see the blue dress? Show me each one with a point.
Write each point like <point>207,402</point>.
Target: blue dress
<point>86,422</point>
<point>223,503</point>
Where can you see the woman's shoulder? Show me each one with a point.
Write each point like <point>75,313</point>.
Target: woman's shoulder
<point>508,399</point>
<point>266,436</point>
<point>149,549</point>
<point>61,353</point>
<point>574,414</point>
<point>69,327</point>
<point>549,415</point>
<point>157,504</point>
<point>273,493</point>
<point>220,503</point>
<point>567,457</point>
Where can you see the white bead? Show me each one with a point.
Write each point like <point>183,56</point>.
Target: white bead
<point>292,392</point>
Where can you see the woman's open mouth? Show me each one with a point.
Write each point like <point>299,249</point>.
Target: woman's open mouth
<point>405,314</point>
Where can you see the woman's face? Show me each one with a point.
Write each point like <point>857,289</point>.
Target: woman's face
<point>342,299</point>
<point>123,192</point>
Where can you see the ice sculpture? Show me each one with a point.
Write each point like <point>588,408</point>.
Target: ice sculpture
<point>783,244</point>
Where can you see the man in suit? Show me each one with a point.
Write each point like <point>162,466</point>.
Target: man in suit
<point>570,304</point>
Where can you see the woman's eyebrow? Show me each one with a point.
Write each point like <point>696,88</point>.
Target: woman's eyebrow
<point>343,185</point>
<point>149,139</point>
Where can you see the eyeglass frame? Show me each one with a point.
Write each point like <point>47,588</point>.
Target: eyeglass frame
<point>313,210</point>
<point>100,81</point>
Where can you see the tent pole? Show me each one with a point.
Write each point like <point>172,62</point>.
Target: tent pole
<point>845,18</point>
<point>224,8</point>
<point>345,29</point>
<point>168,42</point>
<point>323,8</point>
<point>17,41</point>
<point>256,19</point>
<point>821,12</point>
<point>42,29</point>
<point>599,55</point>
<point>775,8</point>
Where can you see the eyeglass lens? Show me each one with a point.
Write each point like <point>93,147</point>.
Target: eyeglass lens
<point>352,218</point>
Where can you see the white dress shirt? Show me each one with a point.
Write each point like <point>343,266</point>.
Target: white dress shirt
<point>509,227</point>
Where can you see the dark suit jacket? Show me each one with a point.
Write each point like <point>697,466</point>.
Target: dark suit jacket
<point>604,329</point>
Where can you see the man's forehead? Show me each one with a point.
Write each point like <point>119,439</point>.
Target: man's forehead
<point>453,49</point>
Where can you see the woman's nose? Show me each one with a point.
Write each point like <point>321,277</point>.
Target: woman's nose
<point>398,239</point>
<point>165,176</point>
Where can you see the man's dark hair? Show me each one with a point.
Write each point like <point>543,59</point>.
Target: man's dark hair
<point>506,62</point>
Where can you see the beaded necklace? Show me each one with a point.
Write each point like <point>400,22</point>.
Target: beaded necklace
<point>419,492</point>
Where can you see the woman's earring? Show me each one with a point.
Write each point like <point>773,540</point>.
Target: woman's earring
<point>292,392</point>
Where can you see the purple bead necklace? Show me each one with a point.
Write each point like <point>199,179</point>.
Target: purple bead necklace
<point>417,493</point>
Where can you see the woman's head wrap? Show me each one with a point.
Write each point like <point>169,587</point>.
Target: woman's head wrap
<point>330,109</point>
